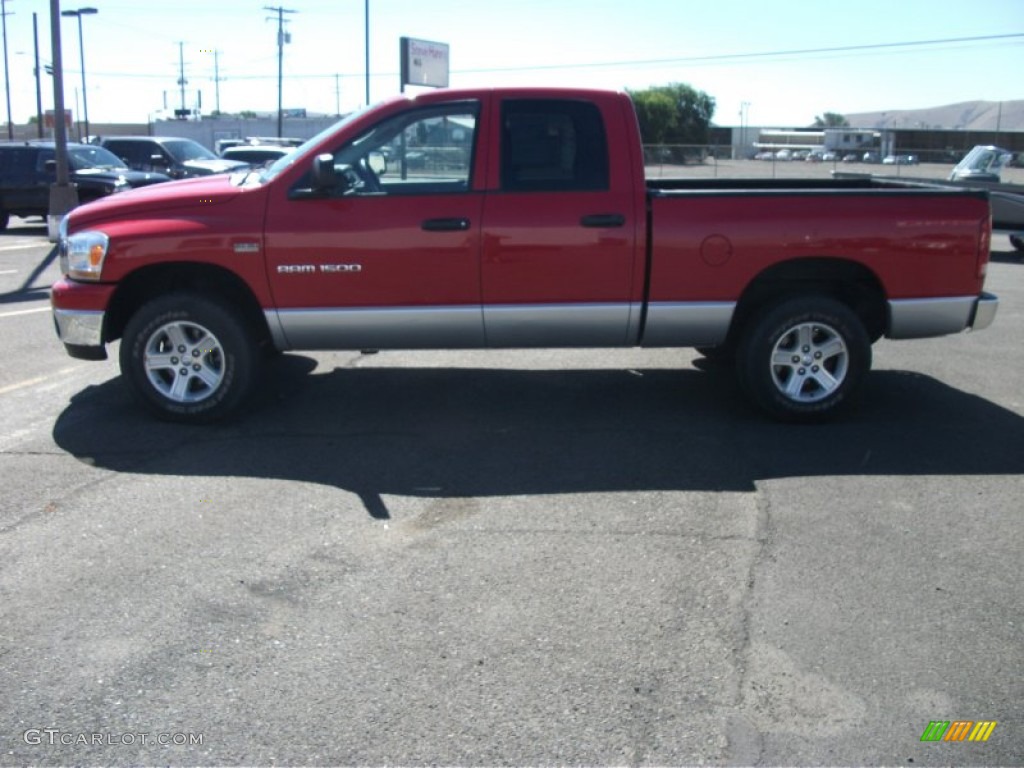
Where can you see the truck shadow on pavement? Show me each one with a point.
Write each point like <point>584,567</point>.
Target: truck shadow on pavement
<point>472,432</point>
<point>28,290</point>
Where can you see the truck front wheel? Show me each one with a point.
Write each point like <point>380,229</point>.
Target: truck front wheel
<point>188,358</point>
<point>804,359</point>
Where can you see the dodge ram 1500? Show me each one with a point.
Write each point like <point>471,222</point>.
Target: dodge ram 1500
<point>512,218</point>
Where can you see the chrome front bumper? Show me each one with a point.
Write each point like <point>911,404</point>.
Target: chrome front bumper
<point>82,332</point>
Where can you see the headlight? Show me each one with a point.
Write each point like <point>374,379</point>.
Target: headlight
<point>121,185</point>
<point>82,254</point>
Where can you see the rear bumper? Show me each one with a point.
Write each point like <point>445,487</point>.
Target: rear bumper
<point>984,311</point>
<point>922,318</point>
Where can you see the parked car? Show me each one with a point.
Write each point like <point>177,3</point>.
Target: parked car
<point>178,158</point>
<point>850,157</point>
<point>256,156</point>
<point>263,141</point>
<point>899,160</point>
<point>872,157</point>
<point>27,169</point>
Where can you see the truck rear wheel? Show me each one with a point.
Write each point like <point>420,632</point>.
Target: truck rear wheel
<point>804,359</point>
<point>188,358</point>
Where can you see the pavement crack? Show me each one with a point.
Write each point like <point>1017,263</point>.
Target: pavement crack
<point>746,745</point>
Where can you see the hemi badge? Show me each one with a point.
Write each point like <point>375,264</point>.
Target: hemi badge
<point>247,247</point>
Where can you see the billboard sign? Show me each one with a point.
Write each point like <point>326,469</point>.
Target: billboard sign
<point>424,63</point>
<point>50,119</point>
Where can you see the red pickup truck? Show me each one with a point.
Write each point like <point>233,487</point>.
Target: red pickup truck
<point>511,218</point>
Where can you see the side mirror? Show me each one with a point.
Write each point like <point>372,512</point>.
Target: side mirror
<point>50,166</point>
<point>158,159</point>
<point>324,176</point>
<point>377,162</point>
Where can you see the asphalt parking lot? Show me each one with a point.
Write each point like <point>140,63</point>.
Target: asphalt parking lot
<point>546,557</point>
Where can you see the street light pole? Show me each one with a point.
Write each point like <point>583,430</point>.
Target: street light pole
<point>79,13</point>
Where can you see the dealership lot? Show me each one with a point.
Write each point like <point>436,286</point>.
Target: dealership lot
<point>588,557</point>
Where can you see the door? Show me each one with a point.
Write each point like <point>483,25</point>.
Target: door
<point>389,256</point>
<point>560,231</point>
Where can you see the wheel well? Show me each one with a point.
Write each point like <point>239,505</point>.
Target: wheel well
<point>853,284</point>
<point>150,282</point>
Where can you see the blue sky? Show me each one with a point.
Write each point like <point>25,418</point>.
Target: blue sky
<point>732,49</point>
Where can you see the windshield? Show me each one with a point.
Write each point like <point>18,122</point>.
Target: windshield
<point>276,167</point>
<point>94,157</point>
<point>184,150</point>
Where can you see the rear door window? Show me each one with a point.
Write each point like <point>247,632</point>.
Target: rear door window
<point>552,145</point>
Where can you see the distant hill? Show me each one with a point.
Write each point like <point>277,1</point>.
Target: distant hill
<point>965,116</point>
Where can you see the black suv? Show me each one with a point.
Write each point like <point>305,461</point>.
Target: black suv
<point>28,169</point>
<point>178,158</point>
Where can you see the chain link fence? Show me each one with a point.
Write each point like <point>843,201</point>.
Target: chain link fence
<point>696,161</point>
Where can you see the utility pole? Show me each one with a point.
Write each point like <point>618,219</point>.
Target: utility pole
<point>182,82</point>
<point>366,14</point>
<point>39,86</point>
<point>7,78</point>
<point>63,194</point>
<point>744,112</point>
<point>281,40</point>
<point>216,80</point>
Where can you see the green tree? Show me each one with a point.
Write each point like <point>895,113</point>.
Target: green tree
<point>673,114</point>
<point>831,120</point>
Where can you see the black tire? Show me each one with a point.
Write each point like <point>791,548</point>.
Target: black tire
<point>189,358</point>
<point>1017,241</point>
<point>804,359</point>
<point>5,219</point>
<point>725,354</point>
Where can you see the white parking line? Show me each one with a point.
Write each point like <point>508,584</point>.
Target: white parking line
<point>8,271</point>
<point>19,247</point>
<point>24,312</point>
<point>33,382</point>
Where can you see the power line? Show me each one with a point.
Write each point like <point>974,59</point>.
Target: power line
<point>754,55</point>
<point>724,57</point>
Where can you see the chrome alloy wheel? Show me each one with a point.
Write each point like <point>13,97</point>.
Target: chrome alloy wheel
<point>184,362</point>
<point>809,362</point>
